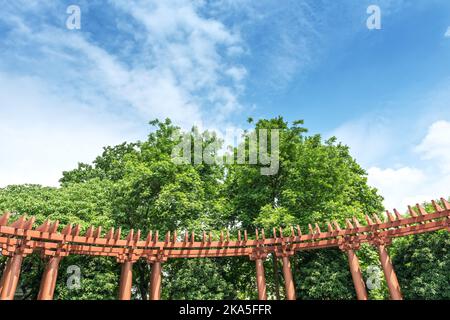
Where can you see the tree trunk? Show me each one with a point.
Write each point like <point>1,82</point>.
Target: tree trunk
<point>275,277</point>
<point>143,283</point>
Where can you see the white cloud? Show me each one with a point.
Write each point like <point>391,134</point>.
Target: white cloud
<point>406,152</point>
<point>294,36</point>
<point>237,73</point>
<point>368,138</point>
<point>398,186</point>
<point>42,134</point>
<point>436,145</point>
<point>65,94</point>
<point>447,34</point>
<point>429,180</point>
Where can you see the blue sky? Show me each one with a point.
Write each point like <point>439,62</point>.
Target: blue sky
<point>386,93</point>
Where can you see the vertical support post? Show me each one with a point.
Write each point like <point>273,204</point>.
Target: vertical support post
<point>11,277</point>
<point>288,280</point>
<point>48,282</point>
<point>2,281</point>
<point>126,280</point>
<point>260,278</point>
<point>155,281</point>
<point>389,273</point>
<point>355,270</point>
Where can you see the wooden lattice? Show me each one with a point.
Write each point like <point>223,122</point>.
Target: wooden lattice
<point>21,238</point>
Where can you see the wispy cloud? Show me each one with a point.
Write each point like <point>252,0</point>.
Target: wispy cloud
<point>407,156</point>
<point>429,180</point>
<point>154,59</point>
<point>43,133</point>
<point>447,34</point>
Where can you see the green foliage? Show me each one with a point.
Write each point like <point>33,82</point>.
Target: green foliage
<point>423,265</point>
<point>197,279</point>
<point>86,203</point>
<point>316,181</point>
<point>270,217</point>
<point>99,278</point>
<point>323,274</point>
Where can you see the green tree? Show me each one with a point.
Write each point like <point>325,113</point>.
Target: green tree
<point>317,181</point>
<point>422,264</point>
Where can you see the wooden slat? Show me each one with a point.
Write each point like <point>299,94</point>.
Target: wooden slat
<point>118,234</point>
<point>349,224</point>
<point>19,223</point>
<point>317,228</point>
<point>336,225</point>
<point>54,227</point>
<point>398,214</point>
<point>28,225</point>
<point>98,232</point>
<point>110,234</point>
<point>390,216</point>
<point>356,222</point>
<point>130,236</point>
<point>76,230</point>
<point>90,232</point>
<point>4,219</point>
<point>67,230</point>
<point>436,206</point>
<point>377,219</point>
<point>44,227</point>
<point>330,227</point>
<point>445,203</point>
<point>149,237</point>
<point>421,210</point>
<point>411,211</point>
<point>368,220</point>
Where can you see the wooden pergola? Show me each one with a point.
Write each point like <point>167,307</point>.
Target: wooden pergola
<point>19,239</point>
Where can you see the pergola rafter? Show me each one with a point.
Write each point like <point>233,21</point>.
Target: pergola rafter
<point>19,239</point>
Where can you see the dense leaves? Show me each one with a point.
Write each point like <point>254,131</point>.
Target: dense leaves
<point>423,265</point>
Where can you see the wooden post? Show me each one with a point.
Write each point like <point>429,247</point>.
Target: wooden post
<point>11,277</point>
<point>2,281</point>
<point>288,280</point>
<point>48,282</point>
<point>355,270</point>
<point>126,280</point>
<point>155,281</point>
<point>389,273</point>
<point>260,279</point>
